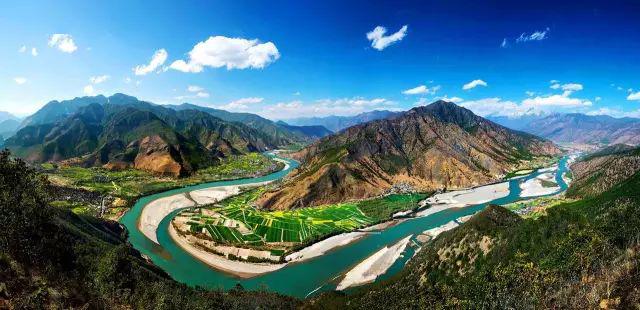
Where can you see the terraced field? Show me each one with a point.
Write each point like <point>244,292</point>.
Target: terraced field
<point>236,221</point>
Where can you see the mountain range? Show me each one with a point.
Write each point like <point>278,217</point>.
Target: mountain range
<point>121,131</point>
<point>337,123</point>
<point>441,145</point>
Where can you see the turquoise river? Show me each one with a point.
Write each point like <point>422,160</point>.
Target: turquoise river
<point>307,277</point>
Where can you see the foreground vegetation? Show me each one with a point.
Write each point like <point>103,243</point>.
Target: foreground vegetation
<point>129,184</point>
<point>238,222</point>
<point>54,259</point>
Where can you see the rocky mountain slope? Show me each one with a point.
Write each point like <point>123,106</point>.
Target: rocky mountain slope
<point>140,135</point>
<point>599,172</point>
<point>581,128</point>
<point>337,123</point>
<point>56,111</point>
<point>437,146</point>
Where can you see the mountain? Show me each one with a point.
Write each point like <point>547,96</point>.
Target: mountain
<point>281,135</point>
<point>583,254</point>
<point>441,145</point>
<point>7,116</point>
<point>315,132</point>
<point>518,123</point>
<point>55,111</point>
<point>337,123</point>
<point>141,135</point>
<point>604,169</point>
<point>586,129</point>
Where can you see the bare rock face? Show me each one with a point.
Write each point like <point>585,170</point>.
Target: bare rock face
<point>157,156</point>
<point>438,146</point>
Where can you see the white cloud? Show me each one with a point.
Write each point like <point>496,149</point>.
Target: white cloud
<point>98,79</point>
<point>555,86</point>
<point>555,100</point>
<point>194,88</point>
<point>495,107</point>
<point>504,43</point>
<point>634,96</point>
<point>88,90</point>
<point>241,104</point>
<point>474,84</point>
<point>422,89</point>
<point>378,39</point>
<point>529,93</point>
<point>296,93</point>
<point>158,58</point>
<point>570,88</point>
<point>202,94</point>
<point>19,80</point>
<point>554,82</point>
<point>536,36</point>
<point>34,52</point>
<point>324,107</point>
<point>22,49</point>
<point>615,112</point>
<point>598,99</point>
<point>63,42</point>
<point>232,53</point>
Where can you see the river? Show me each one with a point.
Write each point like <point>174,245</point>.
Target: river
<point>298,279</point>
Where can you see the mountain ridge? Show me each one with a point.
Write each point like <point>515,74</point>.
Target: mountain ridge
<point>438,146</point>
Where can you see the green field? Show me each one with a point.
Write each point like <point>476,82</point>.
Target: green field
<point>236,221</point>
<point>129,184</point>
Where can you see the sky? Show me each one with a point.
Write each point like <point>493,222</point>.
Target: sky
<point>286,59</point>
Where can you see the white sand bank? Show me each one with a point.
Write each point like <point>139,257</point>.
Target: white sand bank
<point>375,265</point>
<point>324,246</point>
<point>462,198</point>
<point>154,212</point>
<point>533,187</point>
<point>237,268</point>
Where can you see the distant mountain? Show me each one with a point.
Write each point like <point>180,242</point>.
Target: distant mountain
<point>581,128</point>
<point>518,123</point>
<point>599,172</point>
<point>314,132</point>
<point>7,116</point>
<point>337,123</point>
<point>279,134</point>
<point>137,134</point>
<point>56,111</point>
<point>432,147</point>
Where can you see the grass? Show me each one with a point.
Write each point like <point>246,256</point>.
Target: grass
<point>129,184</point>
<point>536,208</point>
<point>235,221</point>
<point>383,208</point>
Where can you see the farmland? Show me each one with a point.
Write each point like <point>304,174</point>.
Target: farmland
<point>129,184</point>
<point>236,221</point>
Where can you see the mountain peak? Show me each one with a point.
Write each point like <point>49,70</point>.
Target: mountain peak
<point>449,112</point>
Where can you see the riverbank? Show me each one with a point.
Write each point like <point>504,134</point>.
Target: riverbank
<point>239,269</point>
<point>463,198</point>
<point>373,266</point>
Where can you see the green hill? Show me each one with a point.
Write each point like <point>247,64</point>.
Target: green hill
<point>138,134</point>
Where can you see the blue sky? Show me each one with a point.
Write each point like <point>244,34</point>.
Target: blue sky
<point>285,59</point>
